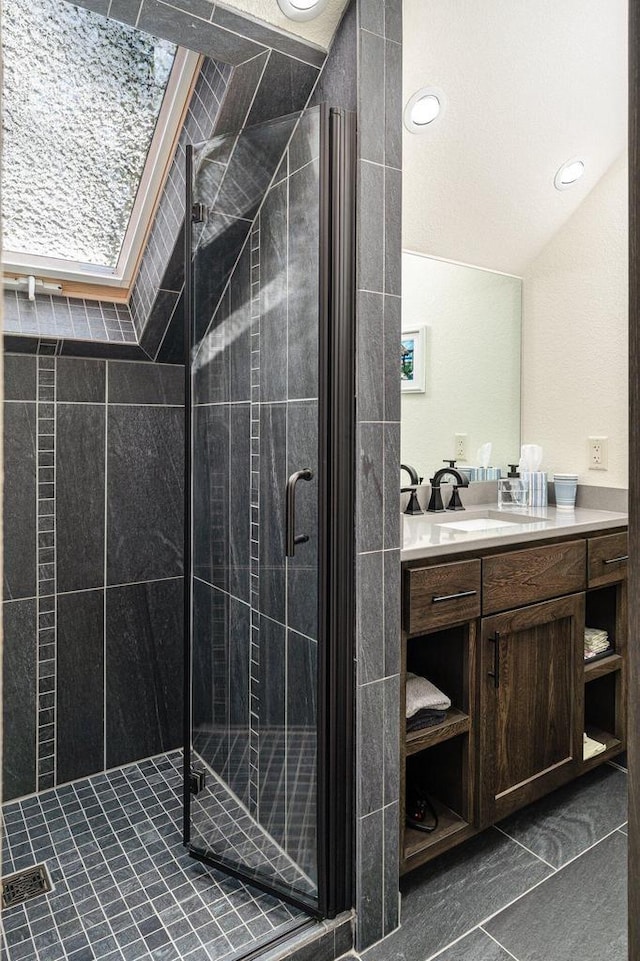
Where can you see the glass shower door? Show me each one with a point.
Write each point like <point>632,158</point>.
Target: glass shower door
<point>256,537</point>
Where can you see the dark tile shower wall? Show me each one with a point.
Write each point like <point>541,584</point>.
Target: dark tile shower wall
<point>93,566</point>
<point>378,460</point>
<point>157,288</point>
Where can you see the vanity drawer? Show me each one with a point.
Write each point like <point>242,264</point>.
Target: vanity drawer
<point>536,574</point>
<point>442,595</point>
<point>608,557</point>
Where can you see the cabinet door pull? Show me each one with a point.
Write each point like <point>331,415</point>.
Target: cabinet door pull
<point>437,598</point>
<point>616,560</point>
<point>495,673</point>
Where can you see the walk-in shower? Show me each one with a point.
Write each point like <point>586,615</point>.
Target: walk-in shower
<point>269,506</point>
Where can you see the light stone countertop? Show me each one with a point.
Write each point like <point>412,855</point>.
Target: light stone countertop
<point>427,535</point>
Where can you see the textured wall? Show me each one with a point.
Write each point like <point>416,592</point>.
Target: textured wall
<point>377,465</point>
<point>93,564</point>
<point>251,73</point>
<point>575,344</point>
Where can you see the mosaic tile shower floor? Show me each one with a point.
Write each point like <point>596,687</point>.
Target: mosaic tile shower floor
<point>283,844</point>
<point>124,887</point>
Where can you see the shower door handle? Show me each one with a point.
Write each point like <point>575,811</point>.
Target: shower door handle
<point>290,511</point>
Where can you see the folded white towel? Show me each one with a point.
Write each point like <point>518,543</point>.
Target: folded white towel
<point>591,747</point>
<point>422,694</point>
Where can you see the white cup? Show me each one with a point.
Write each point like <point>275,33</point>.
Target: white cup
<point>565,487</point>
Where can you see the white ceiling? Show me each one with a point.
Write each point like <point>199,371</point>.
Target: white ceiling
<point>529,84</point>
<point>319,31</point>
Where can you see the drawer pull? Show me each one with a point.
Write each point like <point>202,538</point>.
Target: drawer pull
<point>495,673</point>
<point>616,560</point>
<point>438,598</point>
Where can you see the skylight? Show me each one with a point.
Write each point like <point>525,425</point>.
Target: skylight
<point>83,98</point>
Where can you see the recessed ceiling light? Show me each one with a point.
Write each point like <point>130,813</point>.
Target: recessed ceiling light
<point>569,173</point>
<point>423,109</point>
<point>302,9</point>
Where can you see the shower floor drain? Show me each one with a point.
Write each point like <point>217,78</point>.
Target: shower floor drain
<point>25,885</point>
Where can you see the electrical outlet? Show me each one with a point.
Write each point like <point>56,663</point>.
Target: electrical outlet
<point>598,453</point>
<point>460,447</point>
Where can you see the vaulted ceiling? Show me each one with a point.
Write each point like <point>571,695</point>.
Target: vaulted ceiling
<point>529,84</point>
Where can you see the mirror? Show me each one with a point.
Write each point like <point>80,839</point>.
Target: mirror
<point>488,181</point>
<point>469,364</point>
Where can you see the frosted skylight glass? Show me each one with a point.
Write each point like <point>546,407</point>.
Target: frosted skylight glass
<point>81,100</point>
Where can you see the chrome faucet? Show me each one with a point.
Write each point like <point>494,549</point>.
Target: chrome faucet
<point>435,501</point>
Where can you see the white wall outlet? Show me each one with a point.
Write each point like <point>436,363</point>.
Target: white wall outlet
<point>598,453</point>
<point>460,447</point>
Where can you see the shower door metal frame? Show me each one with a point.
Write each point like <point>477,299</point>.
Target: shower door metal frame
<point>336,506</point>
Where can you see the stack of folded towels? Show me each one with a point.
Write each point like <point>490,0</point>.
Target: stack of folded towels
<point>591,747</point>
<point>595,642</point>
<point>426,705</point>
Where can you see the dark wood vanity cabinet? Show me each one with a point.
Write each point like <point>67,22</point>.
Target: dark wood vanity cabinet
<point>530,697</point>
<point>502,633</point>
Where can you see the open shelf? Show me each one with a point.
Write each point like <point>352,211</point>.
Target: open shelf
<point>612,743</point>
<point>598,667</point>
<point>455,723</point>
<point>449,823</point>
<point>601,612</point>
<point>609,740</point>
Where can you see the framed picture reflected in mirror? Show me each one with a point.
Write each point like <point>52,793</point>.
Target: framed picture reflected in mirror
<point>413,367</point>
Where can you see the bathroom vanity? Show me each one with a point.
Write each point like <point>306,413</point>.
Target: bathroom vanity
<point>494,611</point>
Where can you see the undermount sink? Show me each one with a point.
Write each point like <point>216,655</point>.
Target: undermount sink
<point>490,521</point>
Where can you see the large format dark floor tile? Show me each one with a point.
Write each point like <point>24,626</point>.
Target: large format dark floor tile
<point>562,825</point>
<point>448,897</point>
<point>477,946</point>
<point>581,912</point>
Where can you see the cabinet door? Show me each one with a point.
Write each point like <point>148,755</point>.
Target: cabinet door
<point>531,696</point>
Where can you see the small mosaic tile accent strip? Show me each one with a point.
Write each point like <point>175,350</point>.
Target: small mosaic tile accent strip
<point>46,568</point>
<point>125,889</point>
<point>254,650</point>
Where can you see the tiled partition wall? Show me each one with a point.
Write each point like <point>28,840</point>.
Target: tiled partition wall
<point>378,465</point>
<point>92,571</point>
